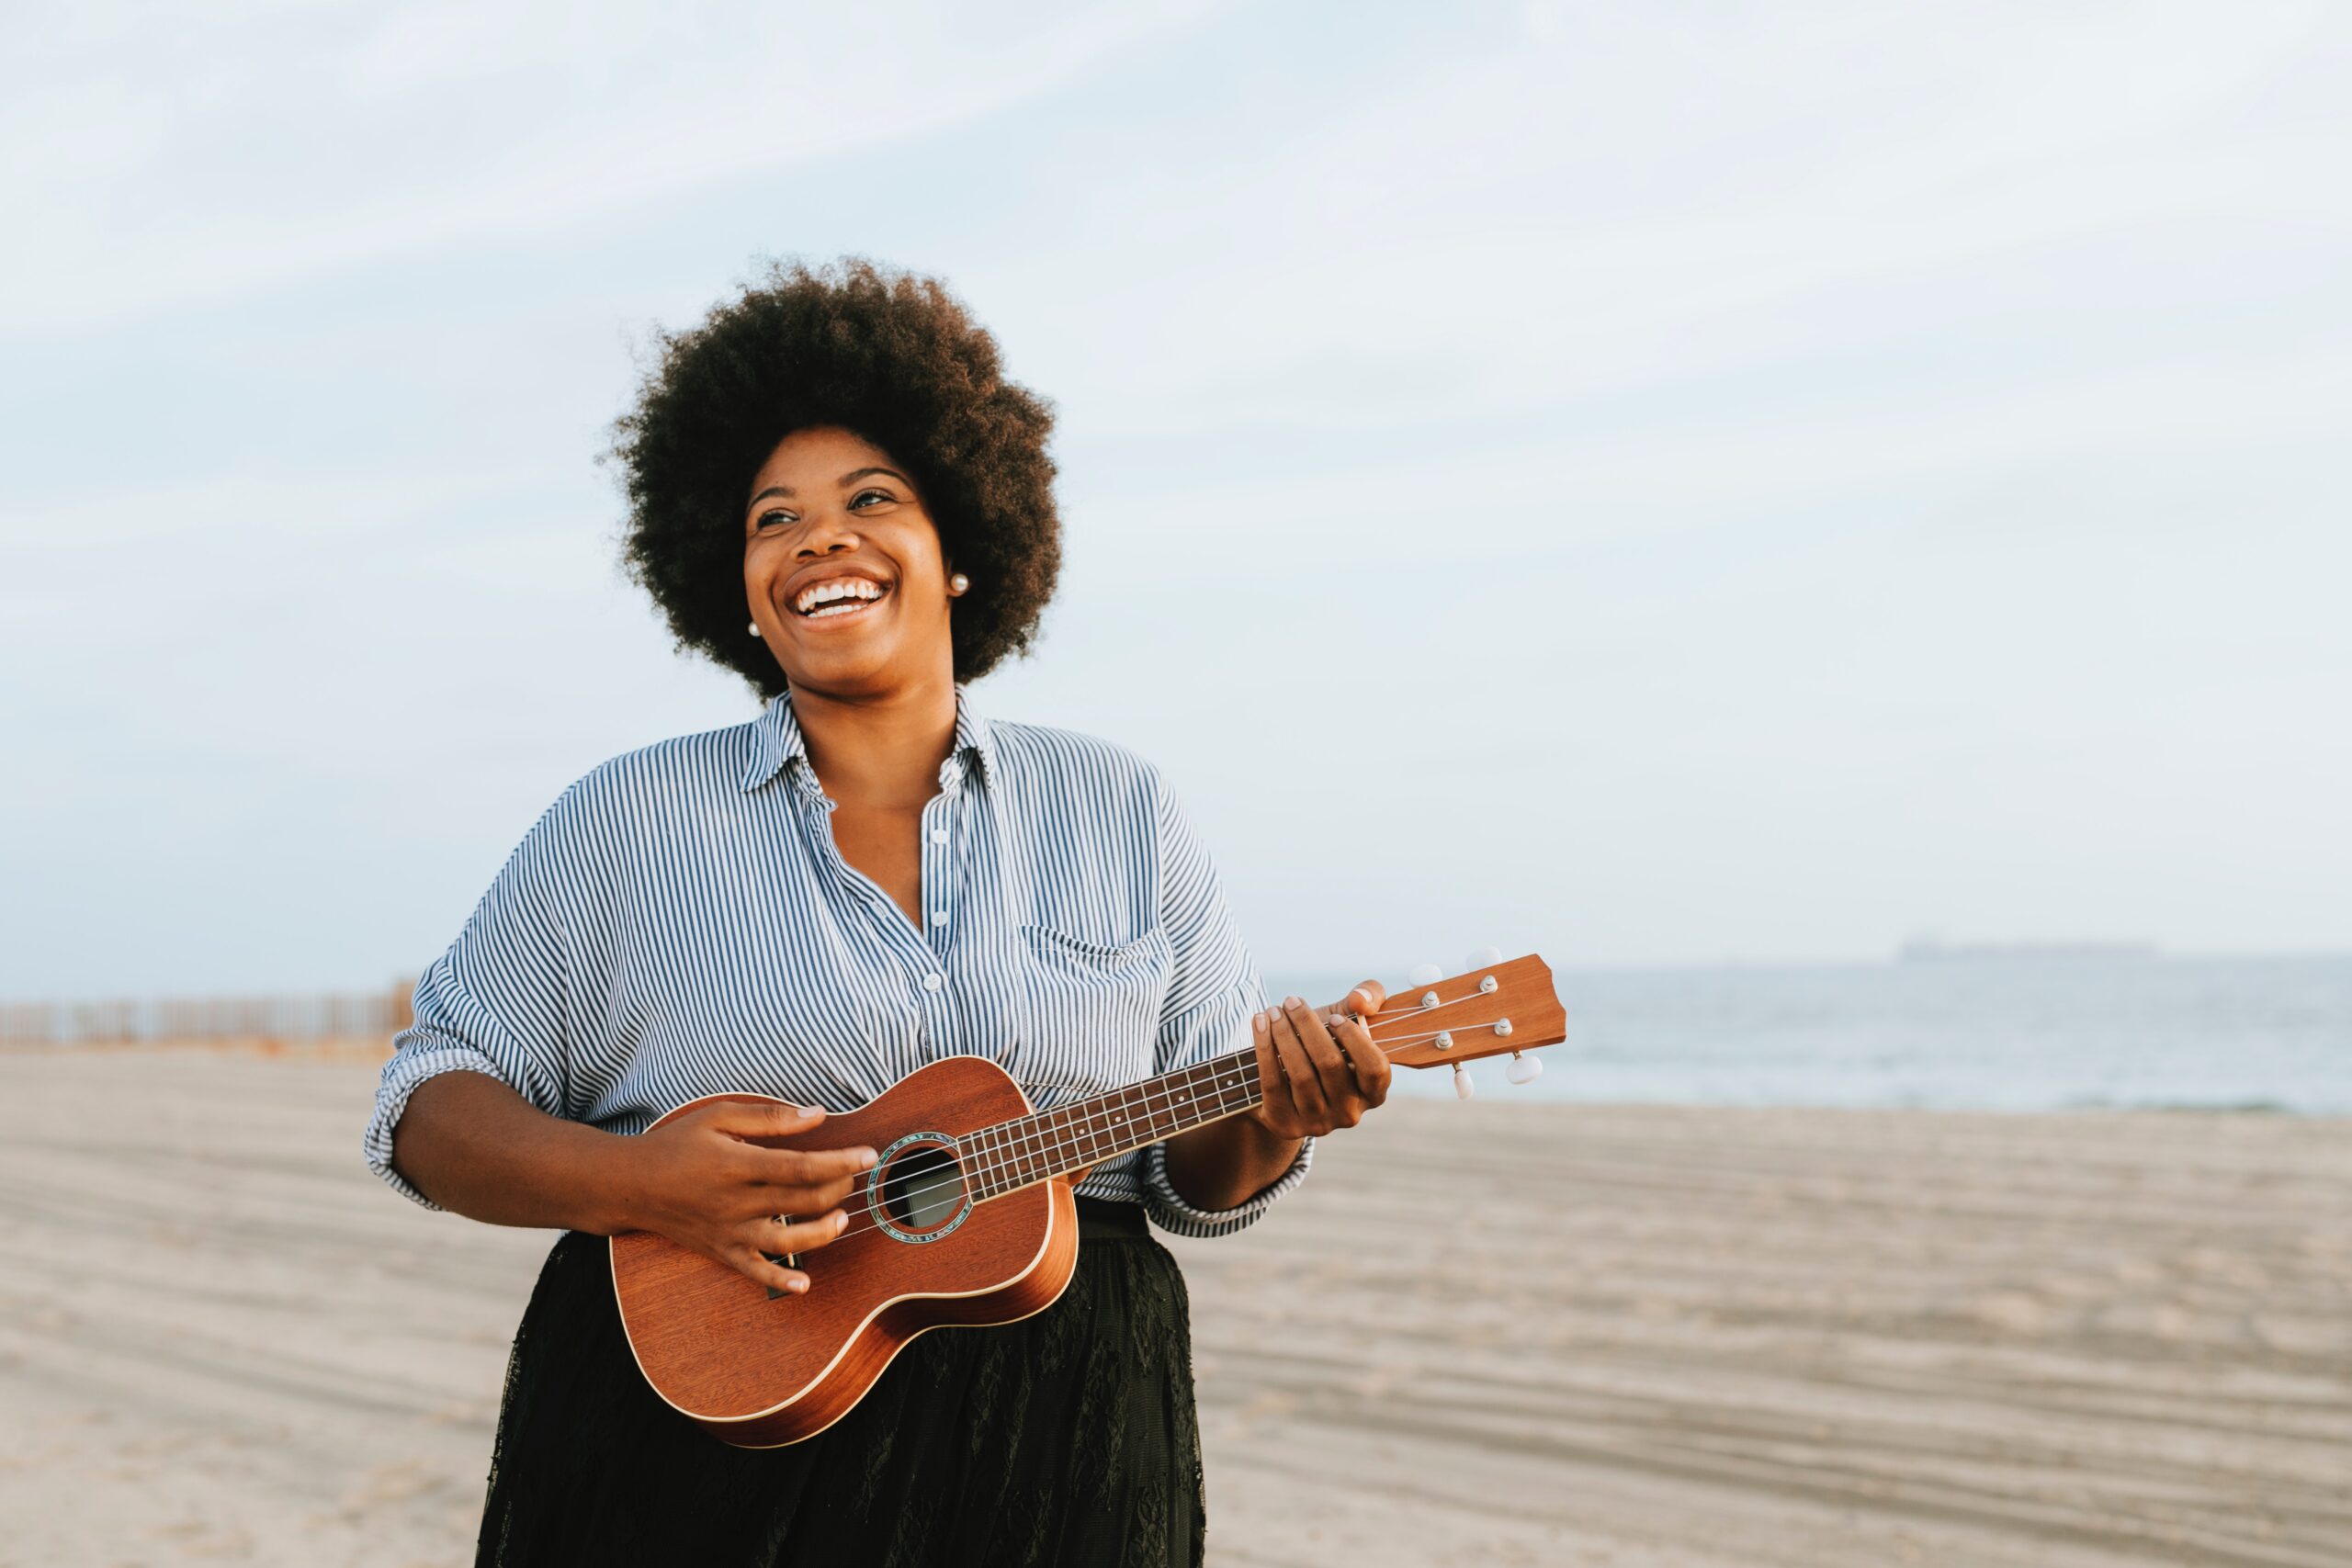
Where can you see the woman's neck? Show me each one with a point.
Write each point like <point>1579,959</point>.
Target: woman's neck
<point>879,751</point>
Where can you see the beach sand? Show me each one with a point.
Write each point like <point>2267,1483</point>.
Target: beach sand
<point>1497,1332</point>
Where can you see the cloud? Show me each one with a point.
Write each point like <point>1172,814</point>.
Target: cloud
<point>1770,474</point>
<point>199,154</point>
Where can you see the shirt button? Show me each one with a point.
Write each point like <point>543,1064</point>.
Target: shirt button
<point>932,982</point>
<point>939,917</point>
<point>939,835</point>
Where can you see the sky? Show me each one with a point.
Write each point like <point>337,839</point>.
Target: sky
<point>1652,484</point>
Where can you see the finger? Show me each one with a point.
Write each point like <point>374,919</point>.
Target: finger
<point>805,1167</point>
<point>764,1118</point>
<point>1371,1064</point>
<point>756,1198</point>
<point>1341,1099</point>
<point>1273,1078</point>
<point>752,1265</point>
<point>789,1235</point>
<point>1306,1084</point>
<point>1366,999</point>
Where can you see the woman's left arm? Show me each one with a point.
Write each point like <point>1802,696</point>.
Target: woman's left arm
<point>1318,1072</point>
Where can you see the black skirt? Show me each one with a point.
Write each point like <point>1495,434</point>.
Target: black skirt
<point>1067,1438</point>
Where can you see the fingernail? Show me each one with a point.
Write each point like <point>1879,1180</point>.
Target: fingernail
<point>841,1223</point>
<point>1291,1002</point>
<point>865,1158</point>
<point>799,1287</point>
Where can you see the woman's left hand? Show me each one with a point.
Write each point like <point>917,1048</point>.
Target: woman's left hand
<point>1320,1069</point>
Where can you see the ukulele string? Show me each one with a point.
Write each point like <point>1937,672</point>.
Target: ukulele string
<point>1239,1071</point>
<point>1032,1151</point>
<point>1237,1074</point>
<point>1069,1138</point>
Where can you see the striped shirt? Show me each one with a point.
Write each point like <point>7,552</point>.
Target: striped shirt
<point>680,923</point>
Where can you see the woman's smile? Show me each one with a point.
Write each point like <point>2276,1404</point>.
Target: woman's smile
<point>839,599</point>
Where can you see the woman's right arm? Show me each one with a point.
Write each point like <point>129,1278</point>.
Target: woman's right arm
<point>472,1144</point>
<point>472,1112</point>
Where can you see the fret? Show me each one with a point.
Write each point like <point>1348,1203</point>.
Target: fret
<point>1115,1117</point>
<point>1052,1139</point>
<point>968,1156</point>
<point>1177,1095</point>
<point>1169,1099</point>
<point>1013,1159</point>
<point>1135,1119</point>
<point>1095,1118</point>
<point>1132,1112</point>
<point>980,1164</point>
<point>1054,1146</point>
<point>1048,1143</point>
<point>1032,1150</point>
<point>1232,1097</point>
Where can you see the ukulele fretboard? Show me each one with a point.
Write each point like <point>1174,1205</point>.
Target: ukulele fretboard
<point>1029,1149</point>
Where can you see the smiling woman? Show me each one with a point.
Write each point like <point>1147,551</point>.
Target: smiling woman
<point>834,492</point>
<point>892,357</point>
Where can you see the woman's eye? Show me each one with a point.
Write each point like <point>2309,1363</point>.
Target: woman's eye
<point>770,519</point>
<point>877,494</point>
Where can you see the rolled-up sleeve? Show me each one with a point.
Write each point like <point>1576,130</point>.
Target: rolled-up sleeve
<point>1212,991</point>
<point>493,1003</point>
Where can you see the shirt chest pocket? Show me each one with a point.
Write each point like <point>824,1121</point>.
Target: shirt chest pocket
<point>1091,1010</point>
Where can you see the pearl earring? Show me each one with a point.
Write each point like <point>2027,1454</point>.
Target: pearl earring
<point>755,629</point>
<point>957,583</point>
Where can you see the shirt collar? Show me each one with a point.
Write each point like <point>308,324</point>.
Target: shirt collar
<point>777,743</point>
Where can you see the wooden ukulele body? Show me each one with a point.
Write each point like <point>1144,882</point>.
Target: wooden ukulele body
<point>761,1371</point>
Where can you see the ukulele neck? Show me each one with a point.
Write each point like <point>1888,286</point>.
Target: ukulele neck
<point>1029,1149</point>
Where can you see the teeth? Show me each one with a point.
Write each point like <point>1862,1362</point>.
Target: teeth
<point>838,588</point>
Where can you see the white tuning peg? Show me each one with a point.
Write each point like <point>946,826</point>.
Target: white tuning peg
<point>1425,974</point>
<point>1463,1088</point>
<point>1523,1069</point>
<point>1482,958</point>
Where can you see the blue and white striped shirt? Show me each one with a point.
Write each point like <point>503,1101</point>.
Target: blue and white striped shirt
<point>680,923</point>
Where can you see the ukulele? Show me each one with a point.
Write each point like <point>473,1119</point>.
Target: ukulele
<point>968,1216</point>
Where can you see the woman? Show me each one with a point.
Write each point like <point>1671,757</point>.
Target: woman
<point>834,492</point>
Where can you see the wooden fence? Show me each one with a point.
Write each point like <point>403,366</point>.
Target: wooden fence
<point>361,1016</point>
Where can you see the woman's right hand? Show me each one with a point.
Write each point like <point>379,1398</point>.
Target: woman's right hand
<point>696,1180</point>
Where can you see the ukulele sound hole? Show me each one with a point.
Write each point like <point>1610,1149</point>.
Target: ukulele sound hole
<point>923,1189</point>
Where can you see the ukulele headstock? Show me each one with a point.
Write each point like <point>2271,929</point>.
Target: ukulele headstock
<point>1494,1008</point>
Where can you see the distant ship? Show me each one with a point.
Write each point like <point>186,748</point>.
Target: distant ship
<point>1932,950</point>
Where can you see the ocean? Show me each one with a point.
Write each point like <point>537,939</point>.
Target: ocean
<point>2002,1031</point>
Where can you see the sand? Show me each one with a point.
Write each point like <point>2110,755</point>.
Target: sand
<point>1496,1332</point>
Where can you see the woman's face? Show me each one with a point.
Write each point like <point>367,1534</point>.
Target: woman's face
<point>843,567</point>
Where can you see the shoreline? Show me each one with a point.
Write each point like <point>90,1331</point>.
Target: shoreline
<point>1428,1086</point>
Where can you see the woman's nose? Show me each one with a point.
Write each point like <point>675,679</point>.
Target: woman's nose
<point>829,532</point>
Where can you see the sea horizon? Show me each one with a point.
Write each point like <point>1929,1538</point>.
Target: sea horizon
<point>2021,1028</point>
